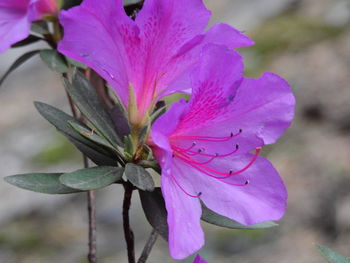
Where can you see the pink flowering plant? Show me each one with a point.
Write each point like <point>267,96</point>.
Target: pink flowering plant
<point>118,63</point>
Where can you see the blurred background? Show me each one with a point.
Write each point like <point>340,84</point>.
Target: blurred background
<point>305,41</point>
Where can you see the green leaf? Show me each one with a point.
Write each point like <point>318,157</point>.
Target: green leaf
<point>29,40</point>
<point>86,98</point>
<point>54,60</point>
<point>70,3</point>
<point>18,62</point>
<point>47,183</point>
<point>76,63</point>
<point>332,256</point>
<point>211,217</point>
<point>139,177</point>
<point>91,135</point>
<point>120,121</point>
<point>154,207</point>
<point>96,156</point>
<point>92,178</point>
<point>40,27</point>
<point>61,121</point>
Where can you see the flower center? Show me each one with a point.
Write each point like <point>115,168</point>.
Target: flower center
<point>191,154</point>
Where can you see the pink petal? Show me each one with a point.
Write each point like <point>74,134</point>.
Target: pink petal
<point>155,52</point>
<point>262,199</point>
<point>185,233</point>
<point>223,103</point>
<point>14,23</point>
<point>198,259</point>
<point>42,7</point>
<point>188,54</point>
<point>97,34</point>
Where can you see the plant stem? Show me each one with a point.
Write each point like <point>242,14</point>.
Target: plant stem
<point>91,206</point>
<point>148,247</point>
<point>129,235</point>
<point>92,227</point>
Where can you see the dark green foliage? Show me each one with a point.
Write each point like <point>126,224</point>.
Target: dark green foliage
<point>211,217</point>
<point>92,178</point>
<point>18,63</point>
<point>54,60</point>
<point>139,177</point>
<point>47,183</point>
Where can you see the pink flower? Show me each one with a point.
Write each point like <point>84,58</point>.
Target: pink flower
<point>16,17</point>
<point>208,148</point>
<point>198,259</point>
<point>149,56</point>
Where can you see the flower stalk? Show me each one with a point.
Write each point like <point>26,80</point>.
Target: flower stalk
<point>129,235</point>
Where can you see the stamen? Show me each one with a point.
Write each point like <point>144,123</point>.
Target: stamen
<point>200,152</point>
<point>210,138</point>
<point>188,149</point>
<point>183,190</point>
<point>245,183</point>
<point>202,167</point>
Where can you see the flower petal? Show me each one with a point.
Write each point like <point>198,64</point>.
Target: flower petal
<point>187,55</point>
<point>265,104</point>
<point>97,33</point>
<point>14,23</point>
<point>165,25</point>
<point>224,34</point>
<point>262,199</point>
<point>199,259</point>
<point>185,233</point>
<point>223,103</point>
<point>166,124</point>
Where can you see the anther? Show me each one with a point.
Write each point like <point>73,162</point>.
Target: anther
<point>199,194</point>
<point>201,150</point>
<point>237,146</point>
<point>240,130</point>
<point>230,172</point>
<point>247,182</point>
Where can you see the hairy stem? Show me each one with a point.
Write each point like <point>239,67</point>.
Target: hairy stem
<point>129,235</point>
<point>148,247</point>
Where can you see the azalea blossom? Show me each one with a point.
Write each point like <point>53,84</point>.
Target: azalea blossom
<point>16,17</point>
<point>146,58</point>
<point>199,259</point>
<point>208,148</point>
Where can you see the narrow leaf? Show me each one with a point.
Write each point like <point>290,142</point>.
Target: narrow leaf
<point>67,4</point>
<point>40,27</point>
<point>89,103</point>
<point>54,60</point>
<point>29,40</point>
<point>120,121</point>
<point>47,183</point>
<point>91,135</point>
<point>154,207</point>
<point>61,121</point>
<point>18,62</point>
<point>76,63</point>
<point>139,177</point>
<point>211,217</point>
<point>92,178</point>
<point>94,155</point>
<point>331,255</point>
